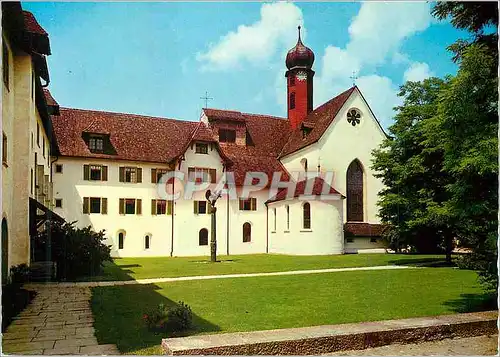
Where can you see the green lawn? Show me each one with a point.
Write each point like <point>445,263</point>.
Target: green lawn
<point>163,267</point>
<point>259,303</point>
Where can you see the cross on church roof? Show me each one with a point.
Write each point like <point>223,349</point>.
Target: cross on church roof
<point>353,77</point>
<point>206,98</point>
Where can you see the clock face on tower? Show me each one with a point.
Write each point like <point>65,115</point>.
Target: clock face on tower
<point>301,76</point>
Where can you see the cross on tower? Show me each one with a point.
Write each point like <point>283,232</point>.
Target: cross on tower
<point>353,77</point>
<point>206,98</point>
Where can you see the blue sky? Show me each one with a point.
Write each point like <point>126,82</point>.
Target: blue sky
<point>160,58</point>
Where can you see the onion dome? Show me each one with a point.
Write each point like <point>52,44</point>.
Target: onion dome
<point>299,56</point>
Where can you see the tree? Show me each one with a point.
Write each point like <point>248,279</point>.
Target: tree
<point>467,127</point>
<point>410,166</point>
<point>475,17</point>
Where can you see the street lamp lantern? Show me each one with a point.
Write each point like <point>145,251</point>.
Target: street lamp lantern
<point>212,199</point>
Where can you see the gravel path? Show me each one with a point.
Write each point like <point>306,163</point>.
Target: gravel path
<point>226,276</point>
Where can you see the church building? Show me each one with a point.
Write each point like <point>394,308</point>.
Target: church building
<point>107,168</point>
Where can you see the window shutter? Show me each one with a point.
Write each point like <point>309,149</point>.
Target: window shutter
<point>169,207</point>
<point>86,205</point>
<point>139,174</point>
<point>122,174</point>
<point>213,175</point>
<point>153,176</point>
<point>138,203</point>
<point>153,207</point>
<point>105,173</point>
<point>86,172</point>
<point>104,205</point>
<point>253,204</point>
<point>195,203</point>
<point>190,173</point>
<point>122,205</point>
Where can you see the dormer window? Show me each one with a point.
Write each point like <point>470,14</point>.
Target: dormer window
<point>96,144</point>
<point>227,136</point>
<point>305,131</point>
<point>201,148</point>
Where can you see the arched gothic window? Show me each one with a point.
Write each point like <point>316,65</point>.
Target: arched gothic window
<point>147,242</point>
<point>292,100</point>
<point>355,192</point>
<point>306,221</point>
<point>247,232</point>
<point>203,237</point>
<point>121,238</point>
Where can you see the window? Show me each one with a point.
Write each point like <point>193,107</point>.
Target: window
<point>247,233</point>
<point>58,202</point>
<point>287,208</point>
<point>292,80</point>
<point>43,146</point>
<point>353,117</point>
<point>147,241</point>
<point>307,216</point>
<point>131,174</point>
<point>156,174</point>
<point>59,168</point>
<point>161,207</point>
<point>130,206</point>
<point>373,240</point>
<point>31,183</point>
<point>202,174</point>
<point>95,205</point>
<point>4,149</point>
<point>304,164</point>
<point>203,237</point>
<point>249,204</point>
<point>350,240</point>
<point>201,207</point>
<point>355,192</point>
<point>227,136</point>
<point>121,238</point>
<point>96,144</point>
<point>292,100</point>
<point>274,222</point>
<point>94,172</point>
<point>38,134</point>
<point>5,65</point>
<point>201,148</point>
<point>306,131</point>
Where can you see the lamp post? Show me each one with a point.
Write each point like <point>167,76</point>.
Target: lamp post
<point>212,199</point>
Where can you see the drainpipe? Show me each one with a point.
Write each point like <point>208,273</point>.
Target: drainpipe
<point>227,219</point>
<point>173,214</point>
<point>267,228</point>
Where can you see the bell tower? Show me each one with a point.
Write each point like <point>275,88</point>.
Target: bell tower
<point>299,61</point>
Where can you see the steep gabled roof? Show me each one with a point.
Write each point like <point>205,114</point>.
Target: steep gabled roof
<point>133,137</point>
<point>319,120</point>
<point>317,190</point>
<point>31,24</point>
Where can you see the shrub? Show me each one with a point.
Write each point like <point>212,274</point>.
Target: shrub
<point>77,252</point>
<point>174,319</point>
<point>179,317</point>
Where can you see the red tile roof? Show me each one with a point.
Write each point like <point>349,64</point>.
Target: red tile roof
<point>31,24</point>
<point>317,190</point>
<point>362,229</point>
<point>320,119</point>
<point>203,133</point>
<point>50,99</point>
<point>134,137</point>
<point>218,114</point>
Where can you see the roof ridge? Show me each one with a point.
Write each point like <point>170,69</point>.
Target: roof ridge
<point>130,114</point>
<point>245,113</point>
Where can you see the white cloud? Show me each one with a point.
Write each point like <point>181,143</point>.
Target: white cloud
<point>376,35</point>
<point>276,27</point>
<point>418,71</point>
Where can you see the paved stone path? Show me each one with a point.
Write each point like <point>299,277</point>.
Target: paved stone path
<point>466,346</point>
<point>58,321</point>
<point>226,276</point>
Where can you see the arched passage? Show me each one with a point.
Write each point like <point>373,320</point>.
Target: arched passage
<point>354,190</point>
<point>5,251</point>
